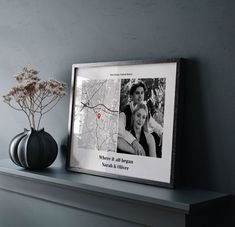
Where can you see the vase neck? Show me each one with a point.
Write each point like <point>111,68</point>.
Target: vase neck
<point>34,130</point>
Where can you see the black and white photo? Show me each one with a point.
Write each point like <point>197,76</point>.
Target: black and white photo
<point>141,117</point>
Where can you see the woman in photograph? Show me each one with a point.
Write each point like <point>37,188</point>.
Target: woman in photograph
<point>140,132</point>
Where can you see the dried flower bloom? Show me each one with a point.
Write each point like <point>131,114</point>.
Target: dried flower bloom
<point>7,98</point>
<point>19,77</point>
<point>42,85</point>
<point>34,96</point>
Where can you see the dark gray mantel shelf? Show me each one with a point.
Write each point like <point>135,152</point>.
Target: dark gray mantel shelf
<point>122,203</point>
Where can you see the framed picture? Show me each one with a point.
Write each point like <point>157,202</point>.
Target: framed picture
<point>123,120</point>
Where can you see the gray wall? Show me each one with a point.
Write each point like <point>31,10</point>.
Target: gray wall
<point>52,35</point>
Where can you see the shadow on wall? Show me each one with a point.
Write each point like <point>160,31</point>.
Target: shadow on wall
<point>232,210</point>
<point>194,158</point>
<point>64,151</point>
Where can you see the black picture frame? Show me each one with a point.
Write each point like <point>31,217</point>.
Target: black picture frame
<point>95,118</point>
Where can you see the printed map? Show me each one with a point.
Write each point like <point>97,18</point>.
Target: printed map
<point>96,114</point>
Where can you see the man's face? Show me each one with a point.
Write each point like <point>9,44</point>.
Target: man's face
<point>138,95</point>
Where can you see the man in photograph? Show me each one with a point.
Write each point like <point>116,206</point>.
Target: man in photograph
<point>127,142</point>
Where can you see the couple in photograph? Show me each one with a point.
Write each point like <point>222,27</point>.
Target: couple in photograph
<point>139,133</point>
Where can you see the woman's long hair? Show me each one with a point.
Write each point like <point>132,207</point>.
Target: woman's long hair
<point>136,108</point>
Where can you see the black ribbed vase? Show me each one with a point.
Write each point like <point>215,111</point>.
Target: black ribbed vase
<point>33,149</point>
